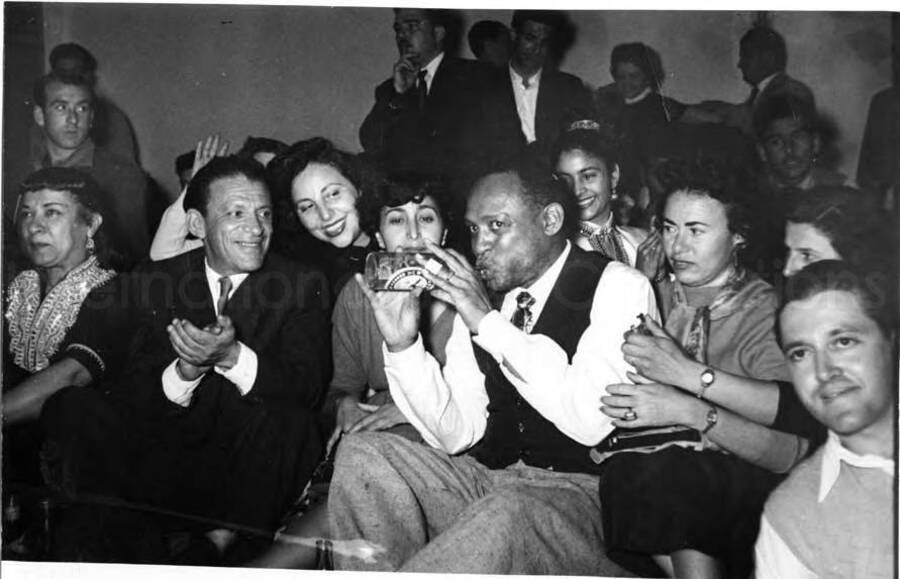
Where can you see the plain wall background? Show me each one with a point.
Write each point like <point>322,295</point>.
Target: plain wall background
<point>292,72</point>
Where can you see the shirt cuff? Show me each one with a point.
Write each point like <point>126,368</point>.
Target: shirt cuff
<point>243,373</point>
<point>409,357</point>
<point>175,388</point>
<point>495,332</point>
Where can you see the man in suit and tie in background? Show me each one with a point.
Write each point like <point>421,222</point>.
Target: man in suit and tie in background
<point>762,61</point>
<point>425,117</point>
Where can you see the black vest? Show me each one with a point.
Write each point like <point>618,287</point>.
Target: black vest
<point>515,430</point>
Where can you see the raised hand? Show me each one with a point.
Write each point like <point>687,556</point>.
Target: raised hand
<point>651,258</point>
<point>396,313</point>
<point>405,71</point>
<point>207,149</point>
<point>461,287</point>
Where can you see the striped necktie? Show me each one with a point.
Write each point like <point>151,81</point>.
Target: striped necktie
<point>224,290</point>
<point>522,316</point>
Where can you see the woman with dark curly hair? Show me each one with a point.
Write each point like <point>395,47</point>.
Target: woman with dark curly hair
<point>317,187</point>
<point>836,222</point>
<point>401,214</point>
<point>587,163</point>
<point>685,476</point>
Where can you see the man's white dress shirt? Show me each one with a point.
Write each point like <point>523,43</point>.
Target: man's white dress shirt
<point>526,93</point>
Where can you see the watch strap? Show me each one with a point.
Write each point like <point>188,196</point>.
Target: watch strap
<point>712,418</point>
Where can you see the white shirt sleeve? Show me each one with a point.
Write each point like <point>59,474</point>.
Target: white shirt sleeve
<point>774,559</point>
<point>243,373</point>
<point>449,408</point>
<point>171,235</point>
<point>175,388</point>
<point>568,395</point>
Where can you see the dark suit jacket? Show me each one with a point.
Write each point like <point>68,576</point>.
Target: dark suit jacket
<point>237,457</point>
<point>562,98</point>
<point>879,155</point>
<point>781,85</point>
<point>439,139</point>
<point>279,311</point>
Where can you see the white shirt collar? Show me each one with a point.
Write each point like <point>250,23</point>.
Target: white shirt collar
<point>765,82</point>
<point>639,97</point>
<point>519,81</point>
<point>431,69</point>
<point>834,453</point>
<point>212,279</point>
<point>539,290</point>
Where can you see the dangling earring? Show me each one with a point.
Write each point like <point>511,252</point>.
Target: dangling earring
<point>90,246</point>
<point>735,262</point>
<point>613,195</point>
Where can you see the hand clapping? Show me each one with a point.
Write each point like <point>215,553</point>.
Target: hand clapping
<point>204,348</point>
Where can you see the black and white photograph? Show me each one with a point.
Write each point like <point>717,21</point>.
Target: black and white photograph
<point>511,290</point>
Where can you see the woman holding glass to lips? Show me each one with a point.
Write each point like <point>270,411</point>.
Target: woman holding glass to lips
<point>61,326</point>
<point>407,212</point>
<point>693,504</point>
<point>402,214</point>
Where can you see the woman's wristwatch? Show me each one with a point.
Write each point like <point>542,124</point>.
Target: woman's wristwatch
<point>707,377</point>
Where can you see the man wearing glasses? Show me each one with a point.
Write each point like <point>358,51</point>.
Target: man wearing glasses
<point>426,115</point>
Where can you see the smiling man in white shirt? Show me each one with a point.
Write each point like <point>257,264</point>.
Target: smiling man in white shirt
<point>834,516</point>
<point>535,342</point>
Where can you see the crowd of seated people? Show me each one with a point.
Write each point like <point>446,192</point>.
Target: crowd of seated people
<point>629,337</point>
